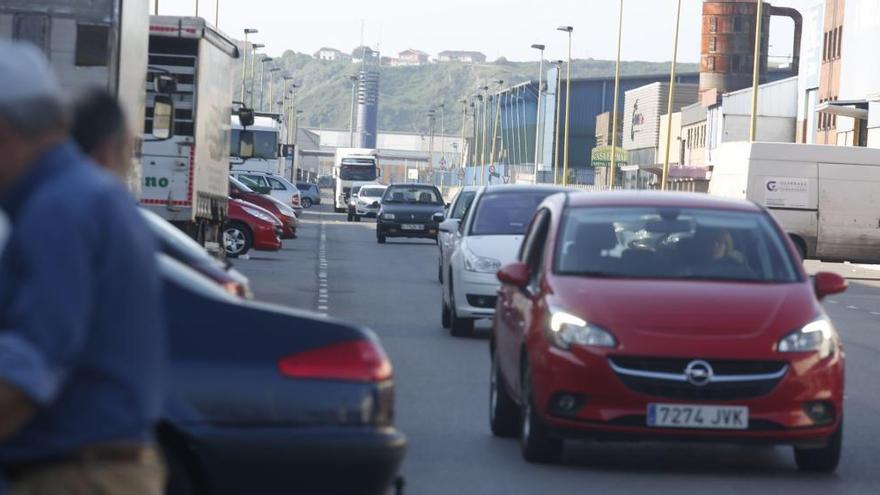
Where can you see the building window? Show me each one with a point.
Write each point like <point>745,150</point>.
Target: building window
<point>712,44</point>
<point>710,63</point>
<point>713,24</point>
<point>839,40</point>
<point>737,24</point>
<point>735,64</point>
<point>92,45</point>
<point>825,47</point>
<point>33,28</point>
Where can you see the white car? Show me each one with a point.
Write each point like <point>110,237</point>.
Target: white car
<point>278,187</point>
<point>454,213</point>
<point>486,239</point>
<point>369,200</point>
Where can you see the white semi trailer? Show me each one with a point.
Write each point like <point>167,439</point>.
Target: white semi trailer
<point>827,198</point>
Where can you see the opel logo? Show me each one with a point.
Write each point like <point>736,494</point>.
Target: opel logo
<point>698,373</point>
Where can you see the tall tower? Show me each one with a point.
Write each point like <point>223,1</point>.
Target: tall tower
<point>368,99</point>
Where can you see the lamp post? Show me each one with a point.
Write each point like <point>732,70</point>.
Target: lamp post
<point>756,71</point>
<point>272,71</point>
<point>217,15</point>
<point>156,8</point>
<point>665,177</point>
<point>478,138</point>
<point>485,125</point>
<point>497,117</point>
<point>354,84</point>
<point>247,31</point>
<point>567,29</point>
<point>262,70</point>
<point>540,48</point>
<point>464,103</point>
<point>255,46</point>
<point>612,167</point>
<point>558,64</point>
<point>431,120</point>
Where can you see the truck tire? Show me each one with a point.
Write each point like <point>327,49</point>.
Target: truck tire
<point>237,239</point>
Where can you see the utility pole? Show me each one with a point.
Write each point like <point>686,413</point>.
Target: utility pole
<point>247,31</point>
<point>540,48</point>
<point>756,72</point>
<point>556,127</point>
<point>665,178</point>
<point>567,29</point>
<point>612,167</point>
<point>253,72</point>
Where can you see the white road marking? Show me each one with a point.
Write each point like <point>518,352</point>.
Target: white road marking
<point>832,301</point>
<point>323,302</point>
<point>875,313</point>
<point>852,307</point>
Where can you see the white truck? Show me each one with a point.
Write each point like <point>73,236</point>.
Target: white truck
<point>90,43</point>
<point>352,166</point>
<point>827,198</point>
<point>186,174</point>
<point>263,144</point>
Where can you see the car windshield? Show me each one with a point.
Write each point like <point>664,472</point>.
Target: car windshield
<point>355,190</point>
<point>671,243</point>
<point>412,194</point>
<point>256,144</point>
<point>372,192</point>
<point>506,213</point>
<point>240,185</point>
<point>462,204</point>
<point>356,169</point>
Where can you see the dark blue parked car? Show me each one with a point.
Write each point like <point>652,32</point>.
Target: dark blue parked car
<point>268,400</point>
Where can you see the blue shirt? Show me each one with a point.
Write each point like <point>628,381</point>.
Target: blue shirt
<point>81,329</point>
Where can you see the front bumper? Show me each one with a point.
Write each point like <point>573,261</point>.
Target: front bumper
<point>267,237</point>
<point>388,228</point>
<point>607,408</point>
<point>333,460</point>
<point>474,287</point>
<point>366,211</point>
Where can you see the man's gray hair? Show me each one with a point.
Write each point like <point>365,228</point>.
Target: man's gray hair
<point>35,116</point>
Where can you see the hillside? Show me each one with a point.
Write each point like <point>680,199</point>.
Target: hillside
<point>407,93</point>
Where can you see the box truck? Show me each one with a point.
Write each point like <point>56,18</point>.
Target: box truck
<point>352,165</point>
<point>827,198</point>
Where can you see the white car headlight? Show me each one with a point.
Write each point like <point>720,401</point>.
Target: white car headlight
<point>388,216</point>
<point>814,336</point>
<point>566,329</point>
<point>259,214</point>
<point>481,264</point>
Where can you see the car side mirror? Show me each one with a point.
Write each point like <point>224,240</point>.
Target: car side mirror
<point>827,283</point>
<point>438,217</point>
<point>165,84</point>
<point>450,225</point>
<point>516,274</point>
<point>163,117</point>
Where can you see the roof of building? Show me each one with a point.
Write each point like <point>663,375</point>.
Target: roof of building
<point>461,53</point>
<point>328,49</point>
<point>412,51</point>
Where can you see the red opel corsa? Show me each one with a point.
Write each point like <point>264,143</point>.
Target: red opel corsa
<point>662,315</point>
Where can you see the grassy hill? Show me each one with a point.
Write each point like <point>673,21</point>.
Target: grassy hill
<point>407,93</point>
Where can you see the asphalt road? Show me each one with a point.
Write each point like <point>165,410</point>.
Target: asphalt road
<point>442,382</point>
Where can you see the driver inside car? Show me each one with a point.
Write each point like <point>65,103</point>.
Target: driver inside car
<point>714,255</point>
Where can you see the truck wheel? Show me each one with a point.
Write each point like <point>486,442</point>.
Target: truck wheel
<point>307,202</point>
<point>237,239</point>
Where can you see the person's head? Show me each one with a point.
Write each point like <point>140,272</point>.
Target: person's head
<point>100,130</point>
<point>714,244</point>
<point>33,117</point>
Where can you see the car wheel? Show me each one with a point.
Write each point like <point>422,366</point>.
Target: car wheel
<point>503,412</point>
<point>458,327</point>
<point>307,202</point>
<point>822,460</point>
<point>237,239</point>
<point>445,315</point>
<point>357,218</point>
<point>440,270</point>
<point>348,217</point>
<point>380,237</point>
<point>536,443</point>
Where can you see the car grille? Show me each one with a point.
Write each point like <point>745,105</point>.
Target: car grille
<point>728,380</point>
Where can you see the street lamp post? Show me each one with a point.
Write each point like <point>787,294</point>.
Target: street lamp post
<point>485,125</point>
<point>217,15</point>
<point>255,46</point>
<point>464,103</point>
<point>540,48</point>
<point>262,70</point>
<point>756,71</point>
<point>497,116</point>
<point>272,71</point>
<point>665,176</point>
<point>612,167</point>
<point>565,154</point>
<point>247,31</point>
<point>558,64</point>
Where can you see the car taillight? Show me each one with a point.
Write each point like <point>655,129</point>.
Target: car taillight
<point>355,360</point>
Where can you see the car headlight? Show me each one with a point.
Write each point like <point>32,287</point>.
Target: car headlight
<point>259,214</point>
<point>482,264</point>
<point>566,329</point>
<point>388,216</point>
<point>814,336</point>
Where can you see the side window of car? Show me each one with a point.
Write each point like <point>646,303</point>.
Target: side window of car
<point>532,252</point>
<point>257,180</point>
<point>276,184</point>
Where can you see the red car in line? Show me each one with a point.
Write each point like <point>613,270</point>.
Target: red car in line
<point>664,316</point>
<point>249,226</point>
<point>239,190</point>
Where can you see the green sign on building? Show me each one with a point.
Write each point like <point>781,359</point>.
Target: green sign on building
<point>601,156</point>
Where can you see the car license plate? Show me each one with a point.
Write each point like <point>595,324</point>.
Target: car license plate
<point>412,226</point>
<point>693,416</point>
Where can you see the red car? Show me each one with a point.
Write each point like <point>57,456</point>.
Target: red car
<point>249,226</point>
<point>238,190</point>
<point>664,316</point>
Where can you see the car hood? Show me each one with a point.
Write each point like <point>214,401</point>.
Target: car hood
<point>503,248</point>
<point>650,313</point>
<point>411,211</point>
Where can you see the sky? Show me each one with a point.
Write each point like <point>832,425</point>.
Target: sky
<point>495,27</point>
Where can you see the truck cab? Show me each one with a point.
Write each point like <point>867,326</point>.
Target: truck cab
<point>258,148</point>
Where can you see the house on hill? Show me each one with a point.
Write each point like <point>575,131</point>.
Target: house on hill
<point>412,57</point>
<point>461,56</point>
<point>330,54</point>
